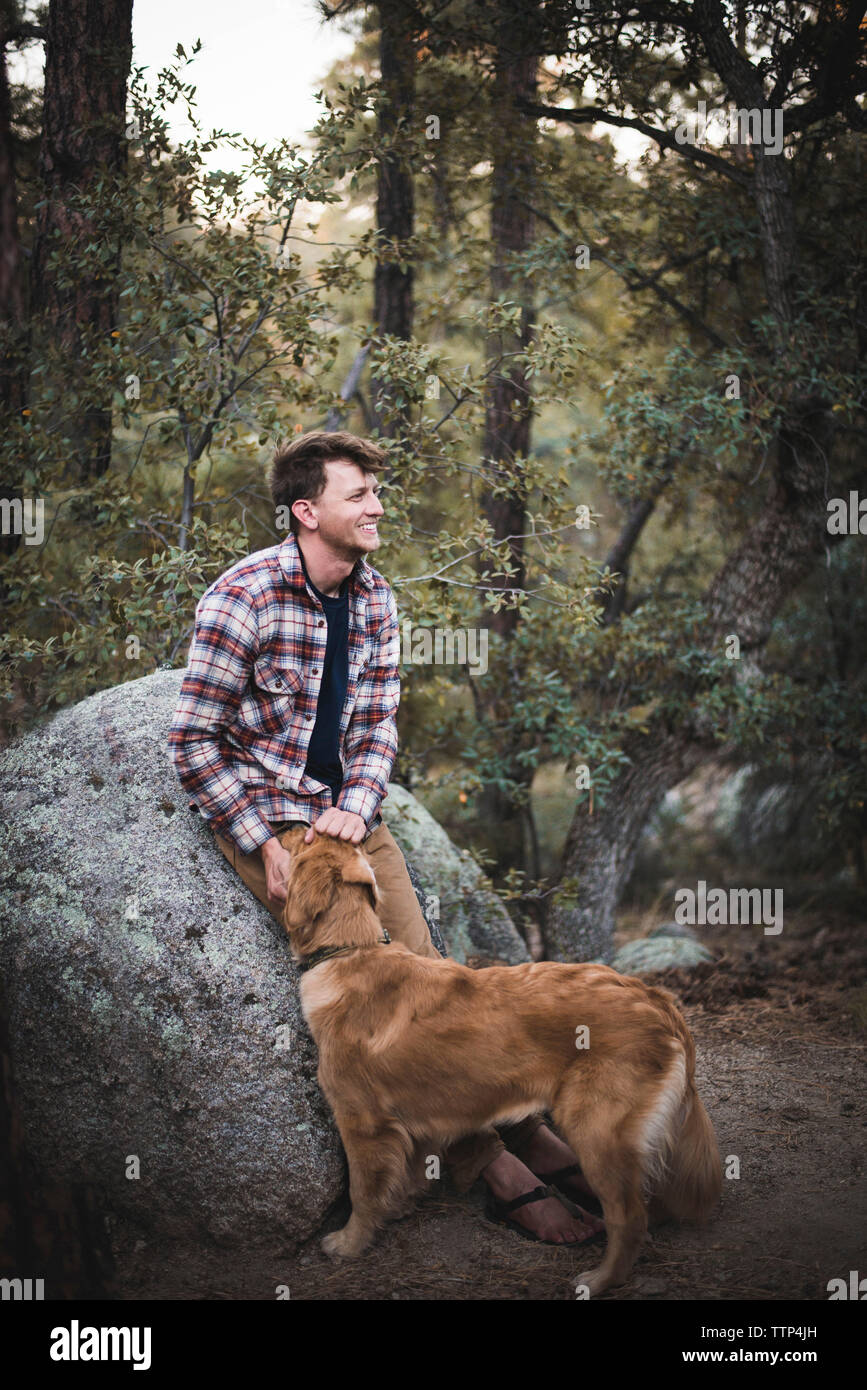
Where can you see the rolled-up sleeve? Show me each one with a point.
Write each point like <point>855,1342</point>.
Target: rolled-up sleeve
<point>371,739</point>
<point>224,646</point>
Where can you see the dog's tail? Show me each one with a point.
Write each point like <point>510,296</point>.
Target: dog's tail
<point>682,1162</point>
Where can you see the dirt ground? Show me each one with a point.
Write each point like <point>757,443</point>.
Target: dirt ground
<point>781,1036</point>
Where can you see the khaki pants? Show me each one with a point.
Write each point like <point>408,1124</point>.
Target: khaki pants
<point>402,918</point>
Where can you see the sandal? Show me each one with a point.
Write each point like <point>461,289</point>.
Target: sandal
<point>590,1203</point>
<point>496,1211</point>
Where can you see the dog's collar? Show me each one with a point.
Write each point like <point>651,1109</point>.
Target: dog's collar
<point>326,952</point>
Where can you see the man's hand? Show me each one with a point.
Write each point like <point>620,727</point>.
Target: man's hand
<point>343,825</point>
<point>278,862</point>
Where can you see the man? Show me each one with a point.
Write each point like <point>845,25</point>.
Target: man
<point>287,714</point>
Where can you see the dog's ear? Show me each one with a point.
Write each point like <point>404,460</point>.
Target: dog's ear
<point>309,891</point>
<point>293,838</point>
<point>357,869</point>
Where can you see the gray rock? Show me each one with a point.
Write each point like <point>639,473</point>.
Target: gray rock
<point>153,1003</point>
<point>473,919</point>
<point>674,929</point>
<point>659,953</point>
<point>429,904</point>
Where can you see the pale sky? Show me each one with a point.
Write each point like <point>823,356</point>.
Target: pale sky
<point>261,63</point>
<point>261,60</point>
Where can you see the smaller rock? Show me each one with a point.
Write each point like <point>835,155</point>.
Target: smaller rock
<point>662,953</point>
<point>676,930</point>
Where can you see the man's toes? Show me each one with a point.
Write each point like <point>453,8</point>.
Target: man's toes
<point>587,1228</point>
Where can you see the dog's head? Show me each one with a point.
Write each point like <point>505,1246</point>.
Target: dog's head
<point>331,892</point>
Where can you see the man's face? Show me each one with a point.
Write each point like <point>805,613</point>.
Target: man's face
<point>348,509</point>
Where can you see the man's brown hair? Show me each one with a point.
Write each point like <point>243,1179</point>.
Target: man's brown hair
<point>298,469</point>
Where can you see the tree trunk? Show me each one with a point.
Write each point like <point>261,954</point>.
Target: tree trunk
<point>88,53</point>
<point>393,285</point>
<point>509,405</point>
<point>12,373</point>
<point>601,848</point>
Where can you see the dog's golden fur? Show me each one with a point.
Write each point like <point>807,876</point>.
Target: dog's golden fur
<point>415,1052</point>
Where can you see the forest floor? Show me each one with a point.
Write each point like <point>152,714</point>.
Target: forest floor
<point>781,1038</point>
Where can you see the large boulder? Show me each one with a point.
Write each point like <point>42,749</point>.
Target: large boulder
<point>156,1040</point>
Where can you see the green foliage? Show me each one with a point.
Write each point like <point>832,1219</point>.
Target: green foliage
<point>245,295</point>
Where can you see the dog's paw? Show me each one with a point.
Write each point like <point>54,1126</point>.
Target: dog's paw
<point>593,1281</point>
<point>340,1246</point>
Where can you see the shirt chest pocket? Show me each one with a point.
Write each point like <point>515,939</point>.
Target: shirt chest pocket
<point>270,697</point>
<point>359,671</point>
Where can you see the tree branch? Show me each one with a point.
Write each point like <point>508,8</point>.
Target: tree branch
<point>348,389</point>
<point>22,33</point>
<point>617,559</point>
<point>589,115</point>
<point>636,281</point>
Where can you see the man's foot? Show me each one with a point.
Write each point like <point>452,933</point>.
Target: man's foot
<point>508,1177</point>
<point>545,1153</point>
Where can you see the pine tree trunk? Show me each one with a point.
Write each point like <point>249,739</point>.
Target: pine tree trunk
<point>12,374</point>
<point>88,52</point>
<point>509,404</point>
<point>393,285</point>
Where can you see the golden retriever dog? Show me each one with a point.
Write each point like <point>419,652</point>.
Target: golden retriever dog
<point>416,1052</point>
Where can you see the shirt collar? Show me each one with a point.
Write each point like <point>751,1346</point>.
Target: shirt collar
<point>290,563</point>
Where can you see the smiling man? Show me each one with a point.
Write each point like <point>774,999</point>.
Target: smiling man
<point>287,714</point>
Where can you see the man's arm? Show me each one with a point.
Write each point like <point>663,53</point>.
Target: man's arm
<point>224,647</point>
<point>371,739</point>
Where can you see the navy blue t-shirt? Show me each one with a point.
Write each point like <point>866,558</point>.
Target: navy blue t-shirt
<point>323,754</point>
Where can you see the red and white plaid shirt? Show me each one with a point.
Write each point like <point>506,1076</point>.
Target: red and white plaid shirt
<point>242,727</point>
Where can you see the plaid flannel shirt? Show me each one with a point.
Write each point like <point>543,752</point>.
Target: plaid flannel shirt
<point>241,730</point>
